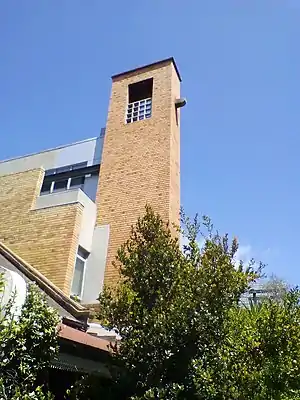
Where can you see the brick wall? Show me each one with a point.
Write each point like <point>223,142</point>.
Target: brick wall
<point>140,161</point>
<point>45,238</point>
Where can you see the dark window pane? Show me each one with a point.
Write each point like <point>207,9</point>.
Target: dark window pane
<point>78,277</point>
<point>82,252</point>
<point>140,90</point>
<point>60,185</point>
<point>46,187</point>
<point>77,181</point>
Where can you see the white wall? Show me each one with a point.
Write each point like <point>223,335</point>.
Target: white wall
<point>95,266</point>
<point>57,199</point>
<point>16,288</point>
<point>88,222</point>
<point>89,150</point>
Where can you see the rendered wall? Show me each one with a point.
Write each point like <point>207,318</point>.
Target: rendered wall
<point>95,268</point>
<point>89,150</point>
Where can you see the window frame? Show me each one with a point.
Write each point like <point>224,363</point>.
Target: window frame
<point>68,187</point>
<point>84,260</point>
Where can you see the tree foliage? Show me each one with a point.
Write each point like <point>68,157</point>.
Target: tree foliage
<point>172,308</point>
<point>27,345</point>
<point>184,332</point>
<point>262,351</point>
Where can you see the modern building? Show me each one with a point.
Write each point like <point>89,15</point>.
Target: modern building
<point>66,210</point>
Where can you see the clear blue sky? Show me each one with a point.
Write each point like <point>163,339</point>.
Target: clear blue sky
<point>240,63</point>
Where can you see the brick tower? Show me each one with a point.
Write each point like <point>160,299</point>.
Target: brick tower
<point>141,152</point>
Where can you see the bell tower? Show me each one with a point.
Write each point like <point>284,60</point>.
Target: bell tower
<point>141,153</point>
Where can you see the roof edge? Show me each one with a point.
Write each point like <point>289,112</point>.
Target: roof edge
<point>170,59</point>
<point>47,286</point>
<point>68,333</point>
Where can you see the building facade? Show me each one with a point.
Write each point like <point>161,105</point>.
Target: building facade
<point>67,210</point>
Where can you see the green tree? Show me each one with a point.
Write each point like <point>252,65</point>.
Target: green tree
<point>262,350</point>
<point>27,345</point>
<point>172,309</point>
<point>184,332</point>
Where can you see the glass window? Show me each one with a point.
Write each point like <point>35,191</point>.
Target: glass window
<point>140,110</point>
<point>78,277</point>
<point>46,187</point>
<point>65,181</point>
<point>60,185</point>
<point>77,182</point>
<point>139,99</point>
<point>79,269</point>
<point>82,253</point>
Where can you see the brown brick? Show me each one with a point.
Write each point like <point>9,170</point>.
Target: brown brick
<point>45,238</point>
<point>140,160</point>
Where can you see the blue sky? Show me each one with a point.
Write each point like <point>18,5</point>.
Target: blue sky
<point>240,63</point>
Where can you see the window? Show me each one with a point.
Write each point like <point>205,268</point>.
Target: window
<point>60,185</point>
<point>139,101</point>
<point>46,188</point>
<point>79,272</point>
<point>77,182</point>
